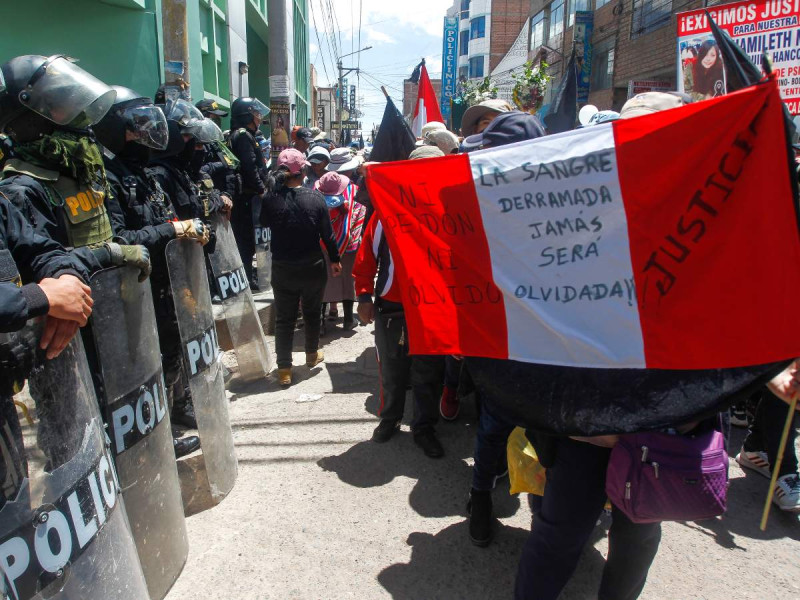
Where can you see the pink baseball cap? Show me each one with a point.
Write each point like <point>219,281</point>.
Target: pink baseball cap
<point>292,159</point>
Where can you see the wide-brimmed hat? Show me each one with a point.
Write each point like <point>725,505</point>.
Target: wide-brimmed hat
<point>651,102</point>
<point>317,154</point>
<point>445,140</point>
<point>475,113</point>
<point>429,127</point>
<point>425,152</point>
<point>332,185</point>
<point>342,160</point>
<point>320,136</point>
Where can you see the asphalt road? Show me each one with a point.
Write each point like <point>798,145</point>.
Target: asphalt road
<point>320,512</point>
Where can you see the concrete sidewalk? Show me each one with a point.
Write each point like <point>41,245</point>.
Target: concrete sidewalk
<point>319,512</point>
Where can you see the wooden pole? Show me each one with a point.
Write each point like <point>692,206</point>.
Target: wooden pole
<point>778,460</point>
<point>385,93</point>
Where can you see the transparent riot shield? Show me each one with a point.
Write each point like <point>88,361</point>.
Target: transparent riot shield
<point>65,535</point>
<point>203,362</point>
<point>264,258</point>
<point>135,405</point>
<point>238,307</point>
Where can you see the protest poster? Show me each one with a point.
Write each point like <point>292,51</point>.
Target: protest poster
<point>757,26</point>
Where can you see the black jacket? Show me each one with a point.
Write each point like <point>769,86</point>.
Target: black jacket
<point>35,257</point>
<point>176,182</point>
<point>30,198</point>
<point>225,176</point>
<point>252,167</point>
<point>299,219</point>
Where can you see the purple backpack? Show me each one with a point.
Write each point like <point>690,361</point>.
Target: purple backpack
<point>663,477</point>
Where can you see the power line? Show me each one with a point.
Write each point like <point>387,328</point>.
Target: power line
<point>319,44</point>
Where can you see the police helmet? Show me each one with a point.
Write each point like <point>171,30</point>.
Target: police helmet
<point>191,121</point>
<point>132,115</point>
<point>244,109</point>
<point>53,88</point>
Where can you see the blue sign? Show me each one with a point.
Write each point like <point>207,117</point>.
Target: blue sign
<point>584,26</point>
<point>449,65</point>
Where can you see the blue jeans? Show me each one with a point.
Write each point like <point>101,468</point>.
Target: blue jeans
<point>490,447</point>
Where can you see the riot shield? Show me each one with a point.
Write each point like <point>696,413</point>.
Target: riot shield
<point>135,405</point>
<point>264,257</point>
<point>66,535</point>
<point>238,307</point>
<point>202,362</point>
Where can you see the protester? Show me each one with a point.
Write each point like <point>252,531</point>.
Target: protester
<point>302,138</point>
<point>318,159</point>
<point>445,140</point>
<point>760,451</point>
<point>373,272</point>
<point>299,220</point>
<point>477,118</point>
<point>347,220</point>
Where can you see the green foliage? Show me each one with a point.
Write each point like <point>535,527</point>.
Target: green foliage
<point>530,85</point>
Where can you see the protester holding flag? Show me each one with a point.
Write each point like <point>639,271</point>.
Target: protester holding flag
<point>396,366</point>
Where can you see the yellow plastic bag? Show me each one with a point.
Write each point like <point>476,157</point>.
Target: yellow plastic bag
<point>525,472</point>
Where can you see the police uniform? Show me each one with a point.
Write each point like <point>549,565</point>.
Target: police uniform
<point>25,257</point>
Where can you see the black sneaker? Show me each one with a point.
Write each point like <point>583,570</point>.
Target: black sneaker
<point>184,415</point>
<point>385,430</point>
<point>184,446</point>
<point>479,508</point>
<point>349,324</point>
<point>429,443</point>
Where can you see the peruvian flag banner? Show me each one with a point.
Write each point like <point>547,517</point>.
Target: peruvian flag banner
<point>668,241</point>
<point>427,107</point>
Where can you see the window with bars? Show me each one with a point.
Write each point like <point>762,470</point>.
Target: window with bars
<point>556,19</point>
<point>649,15</point>
<point>214,48</point>
<point>301,62</point>
<point>537,30</point>
<point>577,5</point>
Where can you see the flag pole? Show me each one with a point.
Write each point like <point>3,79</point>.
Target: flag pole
<point>778,460</point>
<point>385,93</point>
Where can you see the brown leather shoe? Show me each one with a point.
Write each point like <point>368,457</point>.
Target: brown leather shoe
<point>285,376</point>
<point>314,358</point>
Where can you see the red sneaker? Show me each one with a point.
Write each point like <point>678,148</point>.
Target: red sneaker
<point>449,404</point>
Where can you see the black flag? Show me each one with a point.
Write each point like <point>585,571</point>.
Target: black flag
<point>416,73</point>
<point>394,140</point>
<point>740,72</point>
<point>564,108</point>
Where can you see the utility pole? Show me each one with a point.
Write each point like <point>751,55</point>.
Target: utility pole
<point>342,72</point>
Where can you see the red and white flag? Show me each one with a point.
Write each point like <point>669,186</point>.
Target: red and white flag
<point>427,106</point>
<point>668,241</point>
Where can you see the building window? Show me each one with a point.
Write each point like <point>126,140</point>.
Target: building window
<point>214,48</point>
<point>556,19</point>
<point>465,9</point>
<point>599,3</point>
<point>477,28</point>
<point>603,65</point>
<point>301,62</point>
<point>576,5</point>
<point>463,43</point>
<point>463,72</point>
<point>476,67</point>
<point>649,15</point>
<point>537,31</point>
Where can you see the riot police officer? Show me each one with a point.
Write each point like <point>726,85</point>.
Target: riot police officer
<point>142,214</point>
<point>247,115</point>
<point>37,277</point>
<point>217,160</point>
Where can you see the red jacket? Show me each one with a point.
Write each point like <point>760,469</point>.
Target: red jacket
<point>373,258</point>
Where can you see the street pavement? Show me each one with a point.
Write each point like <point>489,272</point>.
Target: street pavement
<point>320,512</point>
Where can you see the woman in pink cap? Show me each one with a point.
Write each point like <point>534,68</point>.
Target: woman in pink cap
<point>347,220</point>
<point>301,226</point>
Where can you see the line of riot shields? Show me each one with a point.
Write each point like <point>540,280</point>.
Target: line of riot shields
<point>95,509</point>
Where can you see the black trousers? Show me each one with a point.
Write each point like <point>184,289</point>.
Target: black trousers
<point>243,227</point>
<point>765,433</point>
<point>397,368</point>
<point>13,466</point>
<point>573,500</point>
<point>296,283</point>
<point>169,340</point>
